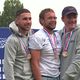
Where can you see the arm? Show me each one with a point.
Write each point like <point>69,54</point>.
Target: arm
<point>73,72</point>
<point>35,63</point>
<point>35,46</point>
<point>9,59</point>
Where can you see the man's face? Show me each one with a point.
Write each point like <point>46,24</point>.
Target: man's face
<point>49,21</point>
<point>70,21</point>
<point>24,21</point>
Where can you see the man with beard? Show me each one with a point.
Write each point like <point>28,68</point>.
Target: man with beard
<point>16,54</point>
<point>45,46</point>
<point>70,34</point>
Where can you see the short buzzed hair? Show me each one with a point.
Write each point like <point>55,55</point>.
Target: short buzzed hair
<point>22,11</point>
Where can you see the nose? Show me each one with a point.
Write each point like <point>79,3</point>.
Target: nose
<point>28,20</point>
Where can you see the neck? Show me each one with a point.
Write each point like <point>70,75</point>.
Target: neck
<point>23,32</point>
<point>49,31</point>
<point>68,30</point>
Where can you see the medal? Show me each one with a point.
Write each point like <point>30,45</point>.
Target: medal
<point>28,56</point>
<point>66,43</point>
<point>64,54</point>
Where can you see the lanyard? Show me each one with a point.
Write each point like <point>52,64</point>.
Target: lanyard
<point>52,42</point>
<point>67,41</point>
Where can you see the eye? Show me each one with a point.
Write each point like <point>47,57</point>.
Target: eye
<point>30,18</point>
<point>53,18</point>
<point>27,18</point>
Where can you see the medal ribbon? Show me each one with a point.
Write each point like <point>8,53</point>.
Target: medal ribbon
<point>67,41</point>
<point>52,42</point>
<point>24,46</point>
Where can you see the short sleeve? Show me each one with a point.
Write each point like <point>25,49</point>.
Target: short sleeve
<point>35,42</point>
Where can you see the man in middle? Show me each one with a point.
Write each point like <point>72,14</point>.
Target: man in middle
<point>45,46</point>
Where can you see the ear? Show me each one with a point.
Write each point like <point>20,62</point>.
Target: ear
<point>17,20</point>
<point>62,18</point>
<point>41,21</point>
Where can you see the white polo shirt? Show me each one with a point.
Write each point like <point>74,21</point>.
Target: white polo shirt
<point>49,66</point>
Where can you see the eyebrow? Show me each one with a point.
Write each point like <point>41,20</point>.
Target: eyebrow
<point>25,18</point>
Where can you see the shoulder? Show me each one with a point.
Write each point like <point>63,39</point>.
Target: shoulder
<point>12,39</point>
<point>39,34</point>
<point>38,37</point>
<point>77,30</point>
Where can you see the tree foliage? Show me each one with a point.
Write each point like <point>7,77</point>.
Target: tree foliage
<point>9,11</point>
